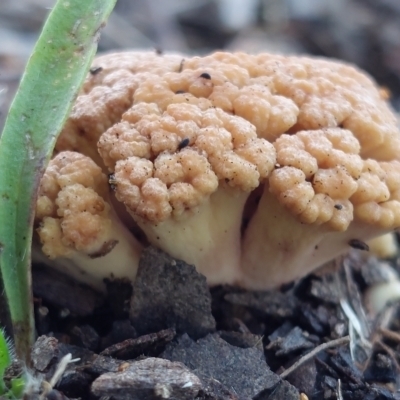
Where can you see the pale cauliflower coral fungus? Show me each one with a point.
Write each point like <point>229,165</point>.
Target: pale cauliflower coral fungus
<point>106,94</point>
<point>77,226</point>
<point>190,200</point>
<point>257,169</point>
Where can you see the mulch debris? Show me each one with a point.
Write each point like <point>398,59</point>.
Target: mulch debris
<point>150,345</point>
<point>48,284</point>
<point>170,336</point>
<point>150,378</point>
<point>169,293</point>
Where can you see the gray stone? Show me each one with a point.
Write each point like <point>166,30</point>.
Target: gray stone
<point>169,293</point>
<point>243,370</point>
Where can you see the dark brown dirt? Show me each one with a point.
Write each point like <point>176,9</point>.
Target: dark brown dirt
<point>226,343</point>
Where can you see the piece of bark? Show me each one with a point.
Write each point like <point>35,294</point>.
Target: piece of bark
<point>147,379</point>
<point>44,353</point>
<point>102,364</point>
<point>150,345</point>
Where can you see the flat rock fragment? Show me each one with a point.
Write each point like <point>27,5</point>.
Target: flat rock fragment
<point>324,289</point>
<point>304,378</point>
<point>244,371</point>
<point>120,331</point>
<point>85,336</point>
<point>291,341</point>
<point>242,339</point>
<point>381,369</point>
<point>212,389</point>
<point>283,391</point>
<point>169,293</point>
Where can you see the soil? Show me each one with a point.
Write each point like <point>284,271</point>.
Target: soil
<point>170,336</point>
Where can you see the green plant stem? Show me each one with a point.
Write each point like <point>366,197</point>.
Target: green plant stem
<point>53,76</point>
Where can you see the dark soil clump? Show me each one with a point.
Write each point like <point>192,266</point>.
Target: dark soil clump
<point>170,336</point>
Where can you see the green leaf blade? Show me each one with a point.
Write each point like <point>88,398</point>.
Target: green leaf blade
<point>54,74</point>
